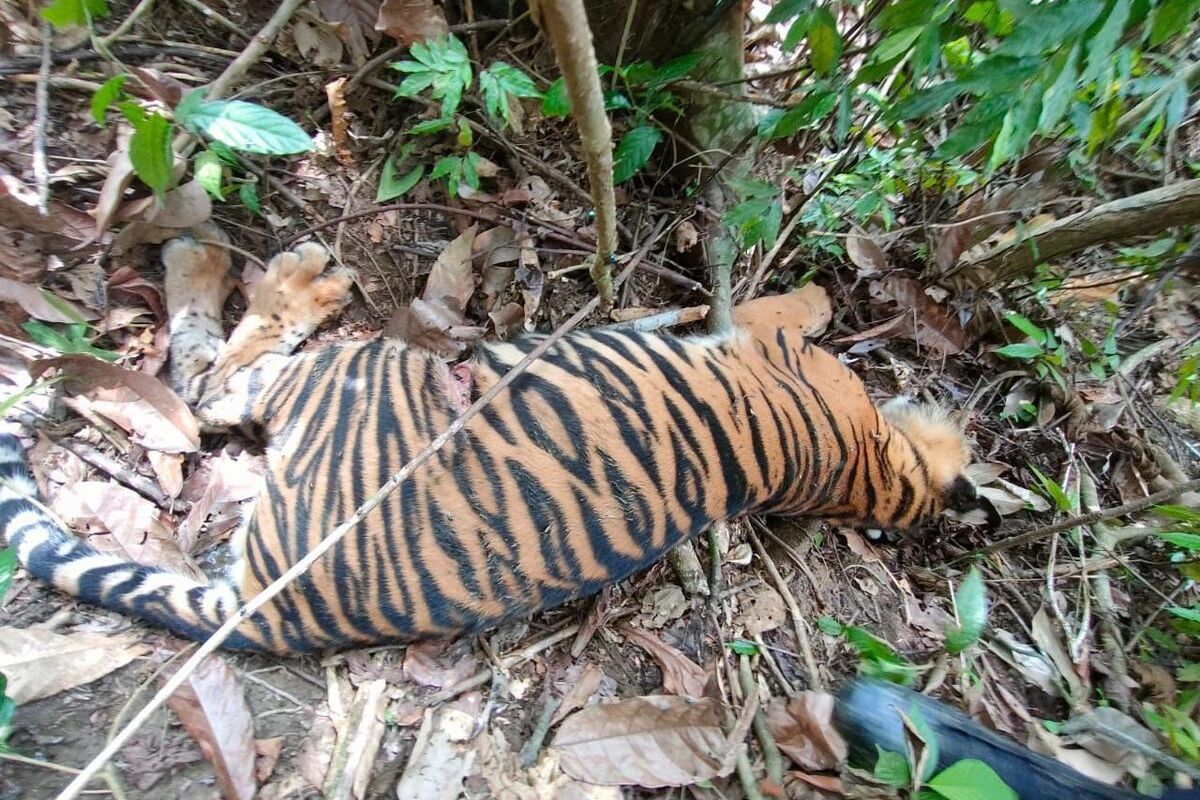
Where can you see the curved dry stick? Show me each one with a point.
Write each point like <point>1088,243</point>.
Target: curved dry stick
<point>222,633</point>
<point>566,26</point>
<point>254,50</point>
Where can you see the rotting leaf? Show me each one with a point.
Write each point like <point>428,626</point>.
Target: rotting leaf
<point>167,423</point>
<point>211,705</point>
<point>865,254</point>
<point>39,663</point>
<point>409,21</point>
<point>580,692</point>
<point>803,730</point>
<point>339,121</point>
<point>932,325</point>
<point>762,610</point>
<point>444,755</point>
<point>438,663</point>
<point>653,742</point>
<point>120,174</point>
<point>41,304</point>
<point>681,675</point>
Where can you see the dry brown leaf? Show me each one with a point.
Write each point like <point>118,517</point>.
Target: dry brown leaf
<point>211,705</point>
<point>652,741</point>
<point>580,692</point>
<point>35,303</point>
<point>359,736</point>
<point>185,206</point>
<point>439,663</point>
<point>452,276</point>
<point>409,21</point>
<point>317,751</point>
<point>39,663</point>
<point>168,468</point>
<point>339,121</point>
<point>444,755</point>
<point>143,405</point>
<point>686,236</point>
<point>666,603</point>
<point>866,254</point>
<point>933,325</point>
<point>956,239</point>
<point>120,174</point>
<point>357,28</point>
<point>19,211</point>
<point>681,675</point>
<point>130,520</point>
<point>317,41</point>
<point>803,729</point>
<point>762,610</point>
<point>266,756</point>
<point>1046,743</point>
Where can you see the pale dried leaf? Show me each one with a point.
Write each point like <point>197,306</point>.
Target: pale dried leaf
<point>154,414</point>
<point>339,121</point>
<point>803,730</point>
<point>653,741</point>
<point>686,236</point>
<point>762,609</point>
<point>318,42</point>
<point>185,206</point>
<point>436,770</point>
<point>452,275</point>
<point>666,603</point>
<point>168,468</point>
<point>39,663</point>
<point>211,706</point>
<point>681,675</point>
<point>359,737</point>
<point>1046,636</point>
<point>120,174</point>
<point>957,238</point>
<point>438,663</point>
<point>580,692</point>
<point>981,473</point>
<point>932,325</point>
<point>19,211</point>
<point>1044,742</point>
<point>33,300</point>
<point>317,750</point>
<point>866,254</point>
<point>266,756</point>
<point>409,21</point>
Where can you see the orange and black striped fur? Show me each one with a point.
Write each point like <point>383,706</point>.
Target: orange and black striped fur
<point>609,451</point>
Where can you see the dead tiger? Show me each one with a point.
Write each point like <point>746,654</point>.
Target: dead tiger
<point>607,452</point>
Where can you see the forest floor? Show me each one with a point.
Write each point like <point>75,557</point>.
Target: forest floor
<point>1071,620</point>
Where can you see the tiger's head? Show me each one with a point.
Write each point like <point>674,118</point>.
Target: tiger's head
<point>941,443</point>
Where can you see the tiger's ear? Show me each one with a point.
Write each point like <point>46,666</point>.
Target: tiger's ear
<point>968,504</point>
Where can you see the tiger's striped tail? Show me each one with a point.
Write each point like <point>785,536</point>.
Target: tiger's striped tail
<point>58,557</point>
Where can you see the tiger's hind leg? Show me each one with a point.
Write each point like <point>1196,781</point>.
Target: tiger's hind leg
<point>197,285</point>
<point>293,299</point>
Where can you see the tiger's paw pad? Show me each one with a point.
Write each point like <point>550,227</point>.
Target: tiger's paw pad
<point>299,290</point>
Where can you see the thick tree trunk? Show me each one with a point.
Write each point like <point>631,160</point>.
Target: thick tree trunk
<point>1139,215</point>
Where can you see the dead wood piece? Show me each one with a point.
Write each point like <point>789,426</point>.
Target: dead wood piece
<point>1138,215</point>
<point>115,469</point>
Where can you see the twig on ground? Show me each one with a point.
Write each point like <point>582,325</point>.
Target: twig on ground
<point>531,748</point>
<point>255,50</point>
<point>35,762</point>
<point>219,636</point>
<point>119,31</point>
<point>570,35</point>
<point>41,118</point>
<point>798,624</point>
<point>687,567</point>
<point>223,21</point>
<point>1133,507</point>
<point>766,742</point>
<point>714,556</point>
<point>1117,679</point>
<point>115,469</point>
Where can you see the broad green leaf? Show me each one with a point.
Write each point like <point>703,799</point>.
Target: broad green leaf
<point>892,768</point>
<point>905,14</point>
<point>1189,673</point>
<point>245,126</point>
<point>1049,25</point>
<point>470,164</point>
<point>634,150</point>
<point>798,30</point>
<point>150,149</point>
<point>1020,350</point>
<point>441,65</point>
<point>676,68</point>
<point>210,173</point>
<point>897,44</point>
<point>431,126</point>
<point>1026,326</point>
<point>7,710</point>
<point>1190,614</point>
<point>1171,17</point>
<point>979,125</point>
<point>499,84</point>
<point>1100,46</point>
<point>830,626</point>
<point>64,13</point>
<point>970,779</point>
<point>556,103</point>
<point>248,194</point>
<point>780,123</point>
<point>1188,541</point>
<point>1058,96</point>
<point>109,92</point>
<point>67,339</point>
<point>8,567</point>
<point>743,647</point>
<point>785,10</point>
<point>917,723</point>
<point>1017,129</point>
<point>971,603</point>
<point>824,41</point>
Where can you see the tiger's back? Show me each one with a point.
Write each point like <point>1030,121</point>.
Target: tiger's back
<point>607,452</point>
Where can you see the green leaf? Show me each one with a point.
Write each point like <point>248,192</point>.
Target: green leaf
<point>892,768</point>
<point>248,194</point>
<point>441,65</point>
<point>7,710</point>
<point>8,568</point>
<point>897,44</point>
<point>150,149</point>
<point>1190,614</point>
<point>1189,673</point>
<point>556,103</point>
<point>785,10</point>
<point>1171,17</point>
<point>109,92</point>
<point>210,173</point>
<point>676,68</point>
<point>64,13</point>
<point>68,339</point>
<point>500,84</point>
<point>824,41</point>
<point>431,126</point>
<point>1017,129</point>
<point>743,647</point>
<point>1058,96</point>
<point>970,779</point>
<point>830,626</point>
<point>916,721</point>
<point>244,126</point>
<point>905,14</point>
<point>971,603</point>
<point>1100,46</point>
<point>798,30</point>
<point>1026,326</point>
<point>1188,541</point>
<point>634,150</point>
<point>1024,351</point>
<point>1049,25</point>
<point>780,123</point>
<point>390,186</point>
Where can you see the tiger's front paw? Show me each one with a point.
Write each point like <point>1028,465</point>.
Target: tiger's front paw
<point>298,293</point>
